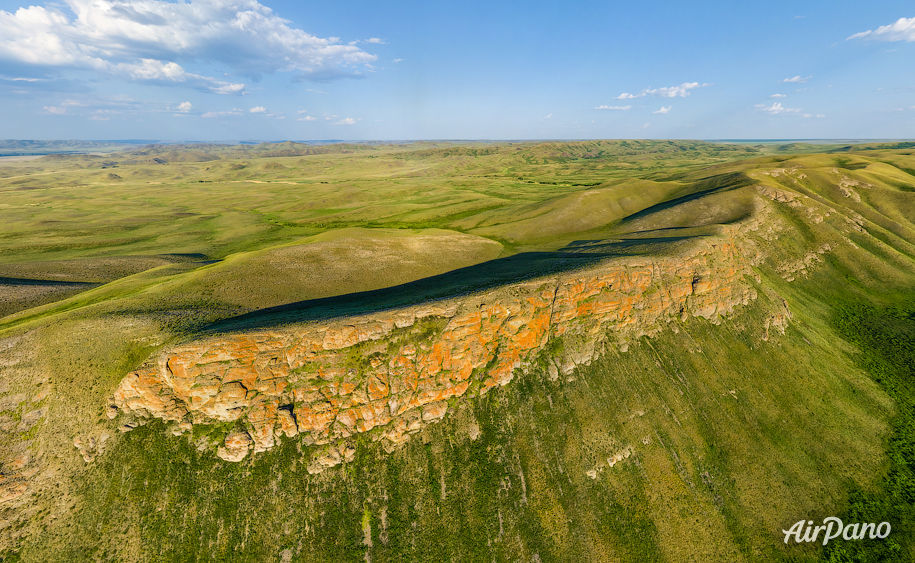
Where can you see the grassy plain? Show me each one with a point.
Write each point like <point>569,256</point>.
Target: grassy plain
<point>736,437</point>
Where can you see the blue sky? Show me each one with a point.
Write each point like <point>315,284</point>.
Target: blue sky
<point>274,70</point>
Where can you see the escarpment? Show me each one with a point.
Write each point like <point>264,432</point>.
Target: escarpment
<point>391,373</point>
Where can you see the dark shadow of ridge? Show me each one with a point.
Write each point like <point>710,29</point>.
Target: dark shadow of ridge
<point>30,281</point>
<point>713,185</point>
<point>464,281</point>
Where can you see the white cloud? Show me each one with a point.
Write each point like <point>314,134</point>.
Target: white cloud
<point>211,114</point>
<point>307,118</point>
<point>615,108</point>
<point>902,30</point>
<point>346,121</point>
<point>301,111</point>
<point>185,106</point>
<point>225,88</point>
<point>776,109</point>
<point>104,114</point>
<point>258,109</point>
<point>397,60</point>
<point>668,92</point>
<point>315,91</point>
<point>375,40</point>
<point>778,96</point>
<point>150,40</point>
<point>153,70</point>
<point>797,79</point>
<point>663,110</point>
<point>114,105</point>
<point>809,115</point>
<point>547,117</point>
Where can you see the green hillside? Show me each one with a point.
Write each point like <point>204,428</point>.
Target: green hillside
<point>700,442</point>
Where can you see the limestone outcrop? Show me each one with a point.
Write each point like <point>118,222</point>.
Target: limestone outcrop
<point>389,374</point>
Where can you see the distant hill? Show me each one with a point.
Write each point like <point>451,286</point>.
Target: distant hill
<point>14,147</point>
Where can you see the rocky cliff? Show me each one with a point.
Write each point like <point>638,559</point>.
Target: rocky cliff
<point>389,374</point>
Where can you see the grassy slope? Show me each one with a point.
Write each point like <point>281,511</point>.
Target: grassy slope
<point>736,440</point>
<point>727,452</point>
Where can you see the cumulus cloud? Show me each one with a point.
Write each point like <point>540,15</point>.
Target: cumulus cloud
<point>346,121</point>
<point>56,110</point>
<point>185,107</point>
<point>375,40</point>
<point>778,96</point>
<point>902,30</point>
<point>615,108</point>
<point>258,109</point>
<point>797,79</point>
<point>150,40</point>
<point>663,110</point>
<point>682,91</point>
<point>307,118</point>
<point>776,109</point>
<point>397,60</point>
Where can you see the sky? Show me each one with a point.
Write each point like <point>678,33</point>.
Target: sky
<point>209,70</point>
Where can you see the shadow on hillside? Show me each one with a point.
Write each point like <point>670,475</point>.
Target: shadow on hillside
<point>51,283</point>
<point>707,186</point>
<point>464,281</point>
<point>503,271</point>
<point>21,294</point>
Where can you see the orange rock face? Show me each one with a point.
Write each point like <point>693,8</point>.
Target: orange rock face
<point>328,382</point>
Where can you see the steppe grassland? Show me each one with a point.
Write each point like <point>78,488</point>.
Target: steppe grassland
<point>68,214</point>
<point>785,442</point>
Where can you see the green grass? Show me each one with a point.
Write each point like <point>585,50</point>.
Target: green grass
<point>885,337</point>
<point>732,438</point>
<point>528,466</point>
